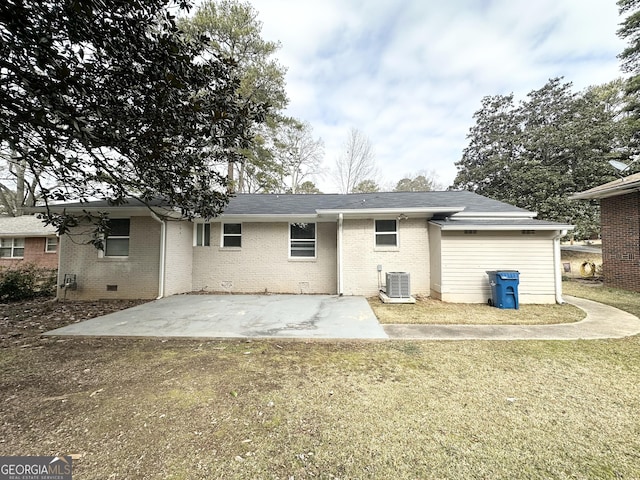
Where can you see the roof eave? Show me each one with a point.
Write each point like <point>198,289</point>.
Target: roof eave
<point>617,187</point>
<point>261,218</point>
<point>470,226</point>
<point>368,212</point>
<point>604,193</point>
<point>118,210</point>
<point>524,214</point>
<point>27,234</point>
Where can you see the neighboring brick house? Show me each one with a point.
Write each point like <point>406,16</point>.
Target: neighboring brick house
<point>330,244</point>
<point>620,232</point>
<point>25,239</point>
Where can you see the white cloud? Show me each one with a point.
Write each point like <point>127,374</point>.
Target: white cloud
<point>411,73</point>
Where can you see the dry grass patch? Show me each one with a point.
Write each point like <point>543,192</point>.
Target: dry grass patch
<point>430,311</point>
<point>404,410</point>
<point>183,409</point>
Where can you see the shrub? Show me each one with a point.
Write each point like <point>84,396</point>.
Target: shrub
<point>25,282</point>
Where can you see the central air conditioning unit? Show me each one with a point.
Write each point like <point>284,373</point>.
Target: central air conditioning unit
<point>398,285</point>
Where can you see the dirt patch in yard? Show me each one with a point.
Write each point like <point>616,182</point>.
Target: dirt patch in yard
<point>435,312</point>
<point>22,323</point>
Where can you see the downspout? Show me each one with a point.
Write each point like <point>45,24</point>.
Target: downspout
<point>556,266</point>
<point>163,253</point>
<point>340,279</point>
<point>60,272</point>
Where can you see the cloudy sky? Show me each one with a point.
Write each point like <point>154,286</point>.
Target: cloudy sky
<point>410,73</point>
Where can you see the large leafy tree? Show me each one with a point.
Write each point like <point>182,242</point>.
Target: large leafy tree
<point>108,99</point>
<point>553,143</point>
<point>630,58</point>
<point>235,32</point>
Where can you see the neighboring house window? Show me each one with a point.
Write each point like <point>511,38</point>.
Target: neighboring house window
<point>117,243</point>
<point>386,233</point>
<point>302,240</point>
<point>232,235</point>
<point>51,245</point>
<point>11,247</point>
<point>203,234</point>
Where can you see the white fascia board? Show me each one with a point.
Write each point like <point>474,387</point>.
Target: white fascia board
<point>368,212</point>
<point>504,228</point>
<point>494,215</point>
<point>264,218</point>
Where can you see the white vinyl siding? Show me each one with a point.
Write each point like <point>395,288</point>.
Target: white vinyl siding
<point>466,259</point>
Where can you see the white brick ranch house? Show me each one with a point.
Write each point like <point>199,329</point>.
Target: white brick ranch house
<point>326,243</point>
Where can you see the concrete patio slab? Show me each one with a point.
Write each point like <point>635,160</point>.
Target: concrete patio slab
<point>239,316</point>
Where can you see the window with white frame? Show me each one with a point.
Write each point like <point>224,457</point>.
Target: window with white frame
<point>232,235</point>
<point>116,244</point>
<point>302,240</point>
<point>386,233</point>
<point>51,246</point>
<point>11,247</point>
<point>203,234</point>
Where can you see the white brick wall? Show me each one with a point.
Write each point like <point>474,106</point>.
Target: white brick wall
<point>262,264</point>
<point>179,259</point>
<point>361,257</point>
<point>135,276</point>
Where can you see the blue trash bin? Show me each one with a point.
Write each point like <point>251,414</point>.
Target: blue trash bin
<point>504,288</point>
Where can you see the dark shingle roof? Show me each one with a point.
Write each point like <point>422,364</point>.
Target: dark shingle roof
<point>273,204</point>
<point>300,204</point>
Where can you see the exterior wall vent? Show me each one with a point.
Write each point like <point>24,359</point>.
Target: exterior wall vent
<point>398,285</point>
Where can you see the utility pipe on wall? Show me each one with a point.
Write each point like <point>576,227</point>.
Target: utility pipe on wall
<point>556,266</point>
<point>163,253</point>
<point>340,279</point>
